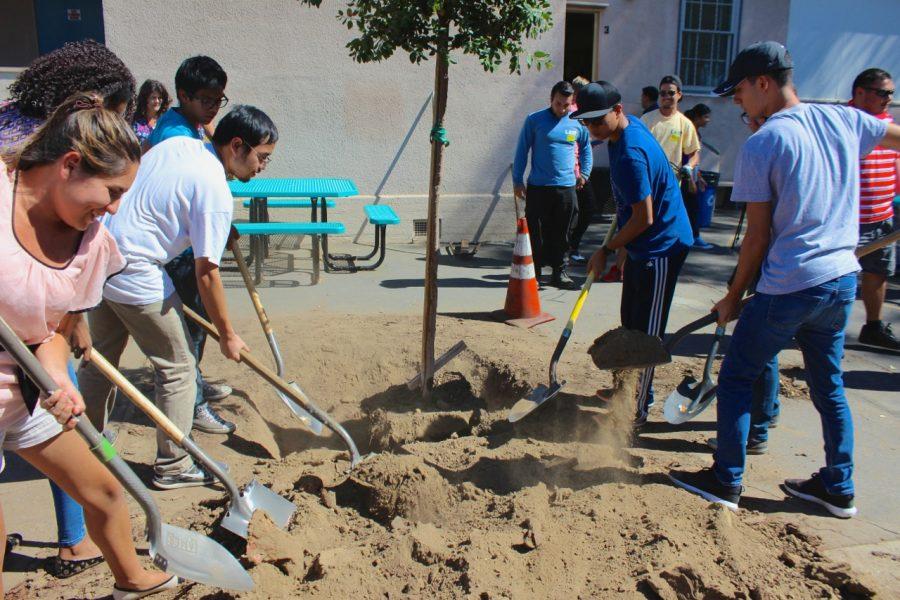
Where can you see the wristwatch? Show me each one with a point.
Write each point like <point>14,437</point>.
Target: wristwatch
<point>607,250</point>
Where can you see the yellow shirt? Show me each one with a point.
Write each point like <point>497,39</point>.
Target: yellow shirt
<point>675,133</point>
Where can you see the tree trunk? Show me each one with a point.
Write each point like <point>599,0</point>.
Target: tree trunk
<point>429,317</point>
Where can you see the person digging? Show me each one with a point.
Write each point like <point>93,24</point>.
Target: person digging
<point>655,231</point>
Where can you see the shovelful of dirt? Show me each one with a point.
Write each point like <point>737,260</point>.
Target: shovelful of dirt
<point>622,348</point>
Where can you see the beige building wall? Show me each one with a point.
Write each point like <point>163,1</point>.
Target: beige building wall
<point>338,118</point>
<point>371,122</point>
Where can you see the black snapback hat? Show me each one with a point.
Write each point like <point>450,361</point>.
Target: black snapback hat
<point>756,59</point>
<point>595,100</point>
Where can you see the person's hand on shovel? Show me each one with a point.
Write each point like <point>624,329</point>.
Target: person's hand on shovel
<point>597,264</point>
<point>231,345</point>
<point>66,403</point>
<point>727,308</point>
<point>75,330</point>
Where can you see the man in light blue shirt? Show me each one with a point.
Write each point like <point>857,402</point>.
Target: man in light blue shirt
<point>551,138</point>
<point>800,178</point>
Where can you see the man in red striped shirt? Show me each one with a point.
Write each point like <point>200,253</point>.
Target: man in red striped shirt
<point>873,90</point>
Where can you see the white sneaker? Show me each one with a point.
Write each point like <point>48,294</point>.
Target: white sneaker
<point>216,391</point>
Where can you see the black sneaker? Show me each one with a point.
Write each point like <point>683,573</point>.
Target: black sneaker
<point>813,490</point>
<point>562,281</point>
<point>705,484</point>
<point>208,421</point>
<point>753,446</point>
<point>193,477</point>
<point>879,335</point>
<point>577,258</point>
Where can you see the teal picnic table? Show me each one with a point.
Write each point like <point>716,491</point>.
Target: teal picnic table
<point>318,190</point>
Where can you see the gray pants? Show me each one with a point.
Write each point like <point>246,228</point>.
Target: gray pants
<point>160,332</point>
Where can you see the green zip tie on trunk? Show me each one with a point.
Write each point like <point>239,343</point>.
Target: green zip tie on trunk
<point>439,135</point>
<point>106,450</point>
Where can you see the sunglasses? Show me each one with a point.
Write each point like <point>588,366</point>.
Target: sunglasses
<point>668,94</point>
<point>881,93</point>
<point>745,118</point>
<point>588,122</point>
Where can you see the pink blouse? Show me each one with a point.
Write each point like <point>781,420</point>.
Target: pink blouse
<point>34,297</point>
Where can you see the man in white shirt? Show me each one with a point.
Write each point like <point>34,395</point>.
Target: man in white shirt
<point>180,198</point>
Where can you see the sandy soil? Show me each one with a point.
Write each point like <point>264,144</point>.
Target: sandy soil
<point>458,503</point>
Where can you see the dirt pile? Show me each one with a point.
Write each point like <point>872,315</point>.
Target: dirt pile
<point>458,503</point>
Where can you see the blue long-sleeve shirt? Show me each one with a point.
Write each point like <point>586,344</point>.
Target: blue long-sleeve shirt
<point>551,141</point>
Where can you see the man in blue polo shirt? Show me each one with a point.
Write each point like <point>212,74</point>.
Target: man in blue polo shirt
<point>655,230</point>
<point>551,136</point>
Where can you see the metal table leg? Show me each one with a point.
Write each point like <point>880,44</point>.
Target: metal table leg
<point>315,242</point>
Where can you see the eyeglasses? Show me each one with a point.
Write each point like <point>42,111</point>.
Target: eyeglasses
<point>211,102</point>
<point>588,122</point>
<point>881,93</point>
<point>668,94</point>
<point>263,159</point>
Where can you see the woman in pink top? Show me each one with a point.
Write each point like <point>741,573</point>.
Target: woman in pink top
<point>56,257</point>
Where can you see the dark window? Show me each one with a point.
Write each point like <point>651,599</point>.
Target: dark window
<point>706,44</point>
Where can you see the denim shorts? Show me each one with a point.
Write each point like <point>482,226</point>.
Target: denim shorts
<point>883,261</point>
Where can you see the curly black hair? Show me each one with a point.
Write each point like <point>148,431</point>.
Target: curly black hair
<point>76,67</point>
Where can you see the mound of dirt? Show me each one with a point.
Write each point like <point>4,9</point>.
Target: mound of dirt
<point>459,503</point>
<point>622,348</point>
<point>401,486</point>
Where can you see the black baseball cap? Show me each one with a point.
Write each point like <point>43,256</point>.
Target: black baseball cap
<point>595,100</point>
<point>756,59</point>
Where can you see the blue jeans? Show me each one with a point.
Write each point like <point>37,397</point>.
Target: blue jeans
<point>766,404</point>
<point>816,317</point>
<point>69,514</point>
<point>183,273</point>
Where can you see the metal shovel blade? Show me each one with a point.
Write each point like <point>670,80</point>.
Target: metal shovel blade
<point>193,556</point>
<point>281,510</point>
<point>536,398</point>
<point>688,400</point>
<point>312,423</point>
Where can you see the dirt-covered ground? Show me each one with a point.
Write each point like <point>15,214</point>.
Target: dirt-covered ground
<point>457,502</point>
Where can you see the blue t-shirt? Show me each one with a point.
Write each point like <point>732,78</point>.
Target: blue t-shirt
<point>638,168</point>
<point>805,161</point>
<point>552,140</point>
<point>172,124</point>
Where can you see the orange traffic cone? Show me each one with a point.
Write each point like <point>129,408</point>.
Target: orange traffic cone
<point>523,306</point>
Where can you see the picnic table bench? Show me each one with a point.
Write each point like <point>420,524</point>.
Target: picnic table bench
<point>314,194</point>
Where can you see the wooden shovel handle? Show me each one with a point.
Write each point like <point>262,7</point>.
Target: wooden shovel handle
<point>248,282</point>
<point>265,372</point>
<point>142,402</point>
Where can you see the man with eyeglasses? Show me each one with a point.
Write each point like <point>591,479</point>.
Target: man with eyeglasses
<point>799,175</point>
<point>873,90</point>
<point>179,198</point>
<point>654,230</point>
<point>200,86</point>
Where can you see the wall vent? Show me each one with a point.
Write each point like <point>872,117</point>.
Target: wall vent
<point>420,228</point>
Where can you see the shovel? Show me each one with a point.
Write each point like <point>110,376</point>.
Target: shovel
<point>284,387</point>
<point>311,422</point>
<point>175,550</point>
<point>691,397</point>
<point>543,393</point>
<point>243,504</point>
